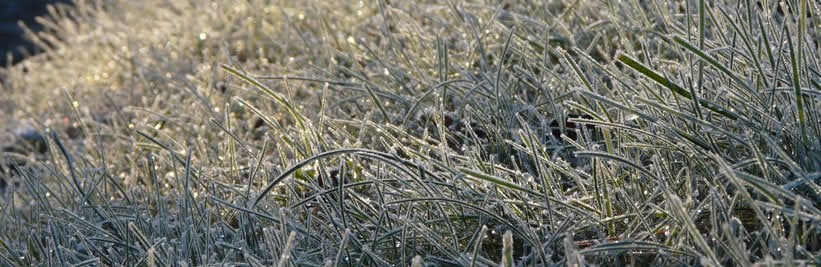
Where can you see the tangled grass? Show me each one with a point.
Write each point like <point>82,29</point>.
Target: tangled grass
<point>428,133</point>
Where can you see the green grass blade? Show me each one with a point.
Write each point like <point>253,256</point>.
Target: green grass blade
<point>672,86</point>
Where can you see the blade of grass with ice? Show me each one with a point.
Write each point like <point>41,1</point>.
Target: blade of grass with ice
<point>675,88</point>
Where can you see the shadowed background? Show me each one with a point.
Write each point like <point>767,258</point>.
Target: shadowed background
<point>11,35</point>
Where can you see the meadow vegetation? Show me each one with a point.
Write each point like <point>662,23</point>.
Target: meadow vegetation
<point>425,133</point>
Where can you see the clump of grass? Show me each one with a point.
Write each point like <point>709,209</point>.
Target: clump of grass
<point>664,133</point>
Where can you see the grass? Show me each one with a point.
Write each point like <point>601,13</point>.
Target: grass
<point>432,133</point>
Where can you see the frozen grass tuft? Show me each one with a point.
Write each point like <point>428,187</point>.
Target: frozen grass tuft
<point>437,133</point>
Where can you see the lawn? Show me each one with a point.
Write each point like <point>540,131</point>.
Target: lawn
<point>423,133</point>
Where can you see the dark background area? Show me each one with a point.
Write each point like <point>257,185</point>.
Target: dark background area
<point>11,35</point>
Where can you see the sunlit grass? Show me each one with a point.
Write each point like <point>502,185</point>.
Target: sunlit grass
<point>290,133</point>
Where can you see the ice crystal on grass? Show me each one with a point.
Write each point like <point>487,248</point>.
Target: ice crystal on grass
<point>403,133</point>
